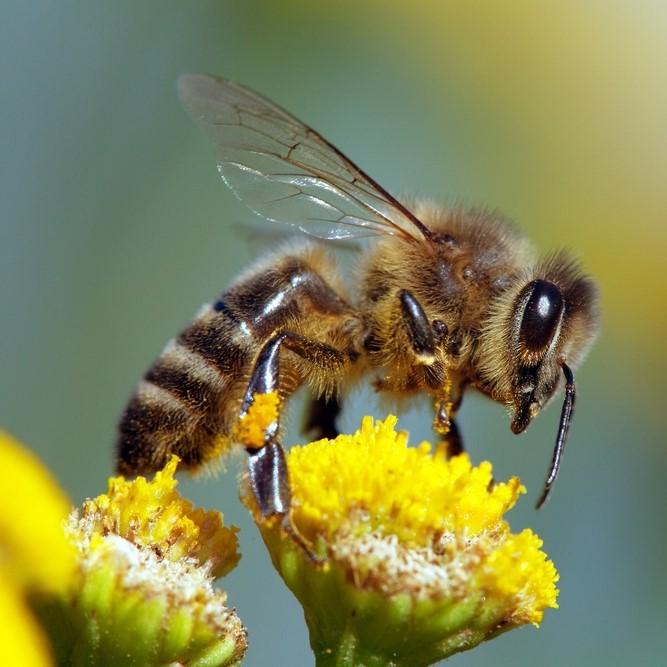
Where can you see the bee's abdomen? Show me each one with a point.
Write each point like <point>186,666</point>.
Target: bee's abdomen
<point>221,340</point>
<point>189,400</point>
<point>186,397</point>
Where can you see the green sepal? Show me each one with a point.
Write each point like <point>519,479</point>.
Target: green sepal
<point>354,627</point>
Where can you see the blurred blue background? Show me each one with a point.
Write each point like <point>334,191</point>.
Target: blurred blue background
<point>115,227</point>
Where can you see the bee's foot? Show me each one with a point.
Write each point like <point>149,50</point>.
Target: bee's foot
<point>301,542</point>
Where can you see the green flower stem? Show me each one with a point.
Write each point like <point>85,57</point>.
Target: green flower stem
<point>347,654</point>
<point>350,653</point>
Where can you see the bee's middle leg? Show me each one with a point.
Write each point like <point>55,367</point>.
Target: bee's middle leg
<point>267,467</point>
<point>321,417</point>
<point>444,424</point>
<point>452,440</point>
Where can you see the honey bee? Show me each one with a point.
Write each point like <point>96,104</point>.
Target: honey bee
<point>446,300</point>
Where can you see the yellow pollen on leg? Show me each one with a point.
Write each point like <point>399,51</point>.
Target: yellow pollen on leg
<point>262,414</point>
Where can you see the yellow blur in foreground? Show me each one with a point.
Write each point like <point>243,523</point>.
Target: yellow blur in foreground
<point>33,510</point>
<point>127,580</point>
<point>36,559</point>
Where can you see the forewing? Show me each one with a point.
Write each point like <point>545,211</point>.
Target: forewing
<point>285,171</point>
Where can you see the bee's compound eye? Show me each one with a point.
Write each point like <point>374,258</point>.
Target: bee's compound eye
<point>541,315</point>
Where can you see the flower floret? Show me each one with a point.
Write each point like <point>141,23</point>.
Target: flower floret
<point>519,570</point>
<point>153,514</point>
<point>405,491</point>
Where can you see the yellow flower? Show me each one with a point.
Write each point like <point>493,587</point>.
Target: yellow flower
<point>37,561</point>
<point>127,581</point>
<point>22,641</point>
<point>153,515</point>
<point>149,559</point>
<point>417,560</point>
<point>406,491</point>
<point>33,511</point>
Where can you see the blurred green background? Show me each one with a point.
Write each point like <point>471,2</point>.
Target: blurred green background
<point>115,227</point>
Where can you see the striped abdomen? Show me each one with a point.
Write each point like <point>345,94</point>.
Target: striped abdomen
<point>188,402</point>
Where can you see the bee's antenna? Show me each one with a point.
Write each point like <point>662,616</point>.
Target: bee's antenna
<point>561,438</point>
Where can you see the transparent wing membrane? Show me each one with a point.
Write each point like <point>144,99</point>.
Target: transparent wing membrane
<point>285,171</point>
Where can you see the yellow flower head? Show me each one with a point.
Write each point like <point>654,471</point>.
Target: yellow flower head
<point>149,559</point>
<point>127,581</point>
<point>422,533</point>
<point>398,490</point>
<point>153,515</point>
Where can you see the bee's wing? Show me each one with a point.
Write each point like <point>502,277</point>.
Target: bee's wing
<point>285,171</point>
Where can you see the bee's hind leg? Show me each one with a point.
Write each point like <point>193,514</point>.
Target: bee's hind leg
<point>267,468</point>
<point>267,472</point>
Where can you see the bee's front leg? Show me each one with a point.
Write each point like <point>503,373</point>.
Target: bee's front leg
<point>419,329</point>
<point>447,403</point>
<point>423,336</point>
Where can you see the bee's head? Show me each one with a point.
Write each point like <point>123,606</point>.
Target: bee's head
<point>538,330</point>
<point>538,317</point>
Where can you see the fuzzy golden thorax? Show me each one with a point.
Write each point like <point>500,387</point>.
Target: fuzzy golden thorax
<point>472,258</point>
<point>484,292</point>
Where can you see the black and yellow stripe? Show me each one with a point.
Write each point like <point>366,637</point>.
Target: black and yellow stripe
<point>191,395</point>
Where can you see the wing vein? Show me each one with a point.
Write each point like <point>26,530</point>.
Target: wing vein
<point>326,195</point>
